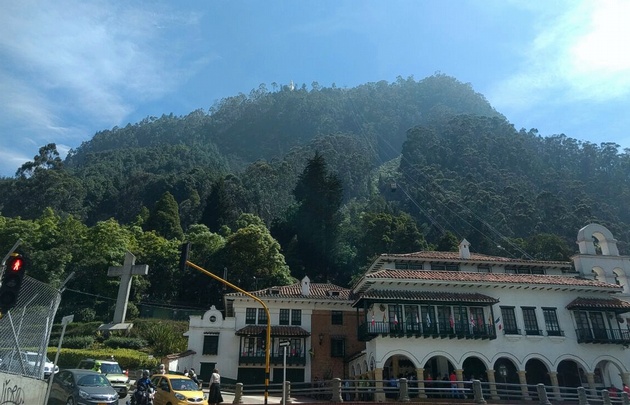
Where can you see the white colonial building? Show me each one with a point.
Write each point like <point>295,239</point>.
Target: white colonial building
<point>426,314</point>
<point>316,318</point>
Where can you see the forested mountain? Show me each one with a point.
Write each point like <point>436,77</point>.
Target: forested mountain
<point>292,182</point>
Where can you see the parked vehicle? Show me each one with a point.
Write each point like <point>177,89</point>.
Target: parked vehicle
<point>81,387</point>
<point>111,369</point>
<point>12,362</point>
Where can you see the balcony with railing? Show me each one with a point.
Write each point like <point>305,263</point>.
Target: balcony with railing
<point>294,358</point>
<point>602,335</point>
<point>533,332</point>
<point>370,330</point>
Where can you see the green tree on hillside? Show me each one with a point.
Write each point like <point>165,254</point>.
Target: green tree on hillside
<point>252,256</point>
<point>319,195</point>
<point>224,204</point>
<point>448,243</point>
<point>164,218</point>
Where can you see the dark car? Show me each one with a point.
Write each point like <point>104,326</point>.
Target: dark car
<point>111,369</point>
<point>81,387</point>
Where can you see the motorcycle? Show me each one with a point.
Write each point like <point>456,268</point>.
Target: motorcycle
<point>142,397</point>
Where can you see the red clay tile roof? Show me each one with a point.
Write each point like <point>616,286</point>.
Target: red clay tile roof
<point>599,303</point>
<point>318,291</point>
<point>465,277</point>
<point>277,330</point>
<point>476,257</point>
<point>427,296</point>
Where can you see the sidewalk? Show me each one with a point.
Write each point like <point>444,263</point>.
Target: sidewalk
<point>228,398</point>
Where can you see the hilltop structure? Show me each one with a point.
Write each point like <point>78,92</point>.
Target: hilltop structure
<point>428,314</point>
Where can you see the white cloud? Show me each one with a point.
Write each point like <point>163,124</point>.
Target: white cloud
<point>578,55</point>
<point>67,65</point>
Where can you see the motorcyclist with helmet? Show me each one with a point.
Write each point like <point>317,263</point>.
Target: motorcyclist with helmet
<point>141,395</point>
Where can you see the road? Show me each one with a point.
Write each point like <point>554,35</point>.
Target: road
<point>247,399</point>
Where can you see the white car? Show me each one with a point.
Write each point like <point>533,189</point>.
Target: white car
<point>32,363</point>
<point>34,360</point>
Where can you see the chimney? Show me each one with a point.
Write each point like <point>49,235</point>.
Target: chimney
<point>306,286</point>
<point>464,249</point>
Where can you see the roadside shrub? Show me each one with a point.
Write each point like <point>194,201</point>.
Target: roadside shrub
<point>164,338</point>
<point>119,342</point>
<point>75,329</point>
<point>74,342</point>
<point>127,358</point>
<point>86,315</point>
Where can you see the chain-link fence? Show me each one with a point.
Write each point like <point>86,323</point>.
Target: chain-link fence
<point>25,330</point>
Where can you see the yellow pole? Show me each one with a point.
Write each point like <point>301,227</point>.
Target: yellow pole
<point>268,343</point>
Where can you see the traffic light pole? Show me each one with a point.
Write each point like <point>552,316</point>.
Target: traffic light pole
<point>227,283</point>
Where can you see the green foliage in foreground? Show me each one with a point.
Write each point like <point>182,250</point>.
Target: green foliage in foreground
<point>128,359</point>
<point>148,337</point>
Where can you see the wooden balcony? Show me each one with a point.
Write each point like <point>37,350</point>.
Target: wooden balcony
<point>258,357</point>
<point>370,330</point>
<point>600,335</point>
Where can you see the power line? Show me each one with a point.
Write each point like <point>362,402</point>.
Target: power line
<point>444,194</point>
<point>145,303</point>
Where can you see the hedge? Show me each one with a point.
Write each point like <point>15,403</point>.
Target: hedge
<point>127,358</point>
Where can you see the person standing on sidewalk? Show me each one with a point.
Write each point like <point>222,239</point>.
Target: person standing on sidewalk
<point>214,397</point>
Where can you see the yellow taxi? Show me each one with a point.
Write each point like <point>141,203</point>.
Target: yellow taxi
<point>175,389</point>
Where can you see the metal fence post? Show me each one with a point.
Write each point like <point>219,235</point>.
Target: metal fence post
<point>542,395</point>
<point>582,400</point>
<point>238,394</point>
<point>403,393</point>
<point>478,392</point>
<point>336,390</point>
<point>287,392</point>
<point>606,397</point>
<point>625,399</point>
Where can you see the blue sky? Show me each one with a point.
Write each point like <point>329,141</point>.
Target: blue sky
<point>71,68</point>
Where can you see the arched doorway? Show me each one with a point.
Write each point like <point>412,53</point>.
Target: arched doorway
<point>437,370</point>
<point>397,366</point>
<point>506,377</point>
<point>609,375</point>
<point>475,369</point>
<point>536,372</point>
<point>570,374</point>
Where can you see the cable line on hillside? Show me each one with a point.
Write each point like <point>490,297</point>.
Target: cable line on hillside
<point>437,187</point>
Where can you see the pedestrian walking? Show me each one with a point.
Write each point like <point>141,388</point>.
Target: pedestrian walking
<point>214,397</point>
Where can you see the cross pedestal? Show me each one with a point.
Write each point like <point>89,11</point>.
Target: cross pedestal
<point>128,269</point>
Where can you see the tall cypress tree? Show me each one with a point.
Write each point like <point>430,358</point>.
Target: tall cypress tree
<point>223,205</point>
<point>164,218</point>
<point>319,195</point>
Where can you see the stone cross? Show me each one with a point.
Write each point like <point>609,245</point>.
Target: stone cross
<point>125,272</point>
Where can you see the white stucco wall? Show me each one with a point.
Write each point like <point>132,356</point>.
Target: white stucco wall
<point>18,390</point>
<point>520,348</point>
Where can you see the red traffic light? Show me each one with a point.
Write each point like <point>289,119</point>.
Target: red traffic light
<point>11,282</point>
<point>15,263</point>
